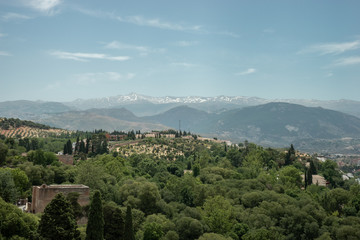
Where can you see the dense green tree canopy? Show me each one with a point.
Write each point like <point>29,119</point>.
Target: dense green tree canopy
<point>95,225</point>
<point>15,224</point>
<point>242,191</point>
<point>58,221</point>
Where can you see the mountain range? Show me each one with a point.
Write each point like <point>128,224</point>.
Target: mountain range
<point>142,105</point>
<point>268,122</point>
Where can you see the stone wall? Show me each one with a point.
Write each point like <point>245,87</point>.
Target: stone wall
<point>66,159</point>
<point>42,195</point>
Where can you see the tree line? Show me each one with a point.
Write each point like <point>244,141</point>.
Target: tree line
<point>209,191</point>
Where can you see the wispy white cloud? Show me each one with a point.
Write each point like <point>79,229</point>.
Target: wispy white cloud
<point>186,43</point>
<point>6,54</point>
<point>347,61</point>
<point>44,6</point>
<point>331,48</point>
<point>103,77</point>
<point>154,22</point>
<point>14,16</point>
<point>157,23</point>
<point>119,45</point>
<point>142,21</point>
<point>183,64</point>
<point>246,72</point>
<point>142,49</point>
<point>84,57</point>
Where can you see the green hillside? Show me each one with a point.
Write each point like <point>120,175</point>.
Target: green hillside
<point>186,189</point>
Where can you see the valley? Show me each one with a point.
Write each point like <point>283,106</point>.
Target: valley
<point>311,126</point>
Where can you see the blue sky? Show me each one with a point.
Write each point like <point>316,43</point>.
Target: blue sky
<point>61,50</point>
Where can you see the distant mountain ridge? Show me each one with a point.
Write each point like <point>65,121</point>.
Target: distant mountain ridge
<point>233,118</point>
<point>29,110</point>
<point>143,105</point>
<point>106,119</point>
<point>271,122</point>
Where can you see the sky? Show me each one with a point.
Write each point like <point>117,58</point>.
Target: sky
<point>62,50</point>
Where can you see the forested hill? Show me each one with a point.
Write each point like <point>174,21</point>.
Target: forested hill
<point>288,121</point>
<point>272,124</point>
<point>10,123</point>
<point>181,188</point>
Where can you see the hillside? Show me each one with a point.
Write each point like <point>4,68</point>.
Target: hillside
<point>272,124</point>
<point>16,127</point>
<point>190,118</point>
<point>143,105</point>
<point>118,113</point>
<point>108,120</point>
<point>189,189</point>
<point>29,109</point>
<point>286,122</point>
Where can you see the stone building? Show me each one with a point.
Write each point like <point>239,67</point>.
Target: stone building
<point>42,195</point>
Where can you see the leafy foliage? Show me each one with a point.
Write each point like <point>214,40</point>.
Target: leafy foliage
<point>95,225</point>
<point>58,221</point>
<point>15,224</point>
<point>242,191</point>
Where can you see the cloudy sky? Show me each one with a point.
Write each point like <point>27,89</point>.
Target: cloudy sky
<point>61,50</point>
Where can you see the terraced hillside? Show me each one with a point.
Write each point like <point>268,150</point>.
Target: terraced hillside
<point>18,128</point>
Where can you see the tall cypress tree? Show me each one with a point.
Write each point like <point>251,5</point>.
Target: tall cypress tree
<point>114,223</point>
<point>58,221</point>
<point>290,156</point>
<point>129,229</point>
<point>95,226</point>
<point>69,147</point>
<point>309,177</point>
<point>104,147</point>
<point>87,146</point>
<point>312,167</point>
<point>65,151</point>
<point>82,147</point>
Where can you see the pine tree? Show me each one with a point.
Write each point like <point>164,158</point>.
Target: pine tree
<point>129,229</point>
<point>87,147</point>
<point>58,221</point>
<point>65,149</point>
<point>290,156</point>
<point>69,147</point>
<point>309,177</point>
<point>73,197</point>
<point>312,167</point>
<point>95,226</point>
<point>188,165</point>
<point>114,224</point>
<point>82,147</point>
<point>77,145</point>
<point>196,169</point>
<point>104,147</point>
